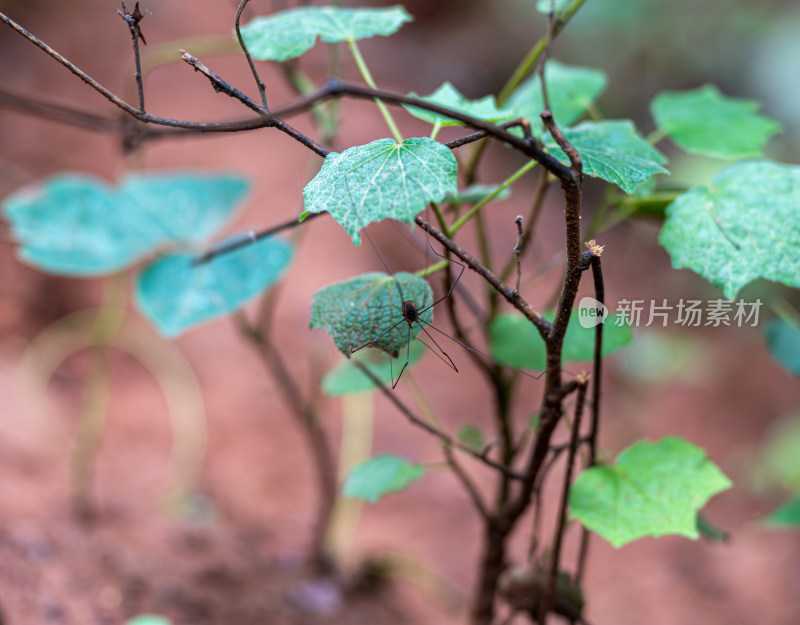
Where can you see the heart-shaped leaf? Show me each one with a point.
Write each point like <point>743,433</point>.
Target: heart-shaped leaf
<point>175,295</point>
<point>380,180</point>
<point>379,476</point>
<point>613,151</point>
<point>365,308</point>
<point>653,489</point>
<point>743,226</point>
<point>704,121</point>
<point>289,34</point>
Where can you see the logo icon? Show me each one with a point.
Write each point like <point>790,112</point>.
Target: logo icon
<point>591,312</point>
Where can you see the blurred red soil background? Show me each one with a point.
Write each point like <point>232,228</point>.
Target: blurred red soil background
<point>236,557</point>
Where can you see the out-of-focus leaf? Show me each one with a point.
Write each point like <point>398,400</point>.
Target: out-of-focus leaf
<point>652,490</point>
<point>288,34</point>
<point>545,6</point>
<point>515,341</point>
<point>472,436</point>
<point>347,379</point>
<point>658,357</point>
<point>176,295</point>
<point>777,463</point>
<point>380,180</point>
<point>613,151</point>
<point>786,515</point>
<point>149,619</point>
<point>77,225</point>
<point>571,91</point>
<point>360,309</point>
<point>379,476</point>
<point>448,96</point>
<point>476,193</point>
<point>783,342</point>
<point>742,227</point>
<point>703,121</point>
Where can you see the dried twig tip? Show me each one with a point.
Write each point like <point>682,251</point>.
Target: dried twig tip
<point>594,248</point>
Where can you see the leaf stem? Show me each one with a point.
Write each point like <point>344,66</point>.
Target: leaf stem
<point>503,185</point>
<point>367,76</point>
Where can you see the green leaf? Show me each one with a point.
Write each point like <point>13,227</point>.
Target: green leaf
<point>176,295</point>
<point>704,121</point>
<point>80,226</point>
<point>786,515</point>
<point>515,341</point>
<point>472,436</point>
<point>448,96</point>
<point>363,308</point>
<point>613,151</point>
<point>476,193</point>
<point>783,342</point>
<point>777,464</point>
<point>660,356</point>
<point>571,91</point>
<point>545,6</point>
<point>289,34</point>
<point>379,476</point>
<point>347,379</point>
<point>149,619</point>
<point>380,180</point>
<point>652,490</point>
<point>742,227</point>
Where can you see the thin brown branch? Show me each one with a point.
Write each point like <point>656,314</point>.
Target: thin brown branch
<point>466,481</point>
<point>477,136</point>
<point>71,67</point>
<point>600,296</point>
<point>221,86</point>
<point>318,442</point>
<point>132,20</point>
<point>518,251</point>
<point>506,291</point>
<point>252,237</point>
<point>550,595</point>
<point>262,88</point>
<point>431,429</point>
<point>59,113</point>
<point>530,223</point>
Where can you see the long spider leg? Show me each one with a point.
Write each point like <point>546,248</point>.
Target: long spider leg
<point>480,353</point>
<point>383,262</point>
<point>408,358</point>
<point>449,362</point>
<point>455,282</point>
<point>353,350</point>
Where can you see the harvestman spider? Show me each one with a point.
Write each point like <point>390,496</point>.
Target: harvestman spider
<point>412,315</point>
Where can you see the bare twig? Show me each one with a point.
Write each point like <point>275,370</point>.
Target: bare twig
<point>59,113</point>
<point>467,482</point>
<point>583,380</point>
<point>262,89</point>
<point>518,251</point>
<point>132,20</point>
<point>600,296</point>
